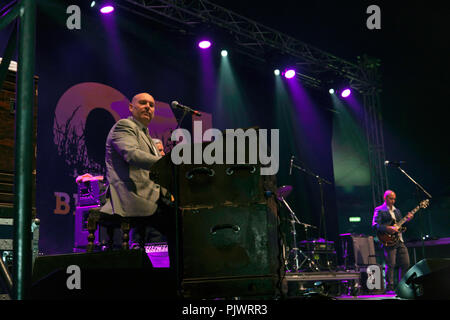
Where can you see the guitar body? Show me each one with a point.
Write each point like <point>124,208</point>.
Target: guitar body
<point>389,240</point>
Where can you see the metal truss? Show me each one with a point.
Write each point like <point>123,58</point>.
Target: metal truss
<point>257,39</point>
<point>375,141</point>
<point>316,68</point>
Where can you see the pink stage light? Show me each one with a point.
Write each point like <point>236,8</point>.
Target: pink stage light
<point>205,44</point>
<point>289,74</point>
<point>346,93</point>
<point>107,9</point>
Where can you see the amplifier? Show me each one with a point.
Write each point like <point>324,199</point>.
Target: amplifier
<point>91,190</point>
<point>358,250</point>
<point>325,260</point>
<point>317,245</point>
<point>81,232</point>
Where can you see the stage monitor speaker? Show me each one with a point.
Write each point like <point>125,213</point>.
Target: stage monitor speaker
<point>428,279</point>
<point>118,274</point>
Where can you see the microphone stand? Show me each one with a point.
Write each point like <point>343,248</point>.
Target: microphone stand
<point>320,181</point>
<point>418,186</point>
<point>296,250</point>
<point>176,194</point>
<point>169,142</point>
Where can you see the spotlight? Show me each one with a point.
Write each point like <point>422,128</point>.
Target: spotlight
<point>289,74</point>
<point>276,72</point>
<point>331,91</point>
<point>204,44</point>
<point>92,4</point>
<point>224,53</point>
<point>345,93</point>
<point>106,9</point>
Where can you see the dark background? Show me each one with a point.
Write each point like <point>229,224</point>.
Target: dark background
<point>134,54</point>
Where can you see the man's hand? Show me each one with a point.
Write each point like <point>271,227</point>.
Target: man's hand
<point>392,229</point>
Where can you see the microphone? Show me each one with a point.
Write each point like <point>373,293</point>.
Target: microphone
<point>290,165</point>
<point>394,163</point>
<point>176,104</point>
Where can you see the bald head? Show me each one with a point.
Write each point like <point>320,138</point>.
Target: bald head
<point>142,107</point>
<point>389,198</point>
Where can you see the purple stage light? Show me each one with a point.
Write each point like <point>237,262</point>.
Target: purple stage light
<point>205,44</point>
<point>289,74</point>
<point>346,93</point>
<point>107,9</point>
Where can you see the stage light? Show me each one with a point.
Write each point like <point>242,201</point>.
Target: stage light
<point>331,91</point>
<point>224,53</point>
<point>106,9</point>
<point>345,93</point>
<point>92,4</point>
<point>276,72</point>
<point>204,44</point>
<point>289,74</point>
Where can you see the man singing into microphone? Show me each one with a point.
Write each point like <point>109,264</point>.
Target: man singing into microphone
<point>130,154</point>
<point>383,218</point>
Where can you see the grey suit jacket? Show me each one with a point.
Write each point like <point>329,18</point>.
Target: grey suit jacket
<point>129,156</point>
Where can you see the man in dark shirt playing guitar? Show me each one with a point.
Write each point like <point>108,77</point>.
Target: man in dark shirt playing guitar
<point>395,251</point>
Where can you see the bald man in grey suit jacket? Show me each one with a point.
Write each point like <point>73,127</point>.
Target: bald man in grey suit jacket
<point>130,154</point>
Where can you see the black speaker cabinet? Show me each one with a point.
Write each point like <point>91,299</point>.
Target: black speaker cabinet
<point>118,274</point>
<point>428,279</point>
<point>220,184</point>
<point>231,252</point>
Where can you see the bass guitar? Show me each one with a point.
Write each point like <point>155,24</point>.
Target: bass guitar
<point>389,240</point>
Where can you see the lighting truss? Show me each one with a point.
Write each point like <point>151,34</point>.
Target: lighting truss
<point>257,39</point>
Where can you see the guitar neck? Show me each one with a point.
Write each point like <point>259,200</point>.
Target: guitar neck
<point>405,218</point>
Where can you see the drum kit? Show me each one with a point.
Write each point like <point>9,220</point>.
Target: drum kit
<point>294,258</point>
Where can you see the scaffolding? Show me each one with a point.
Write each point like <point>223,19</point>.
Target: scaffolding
<point>23,13</point>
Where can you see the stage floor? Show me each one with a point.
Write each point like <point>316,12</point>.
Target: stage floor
<point>369,297</point>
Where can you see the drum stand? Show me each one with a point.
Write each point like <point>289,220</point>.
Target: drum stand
<point>311,264</point>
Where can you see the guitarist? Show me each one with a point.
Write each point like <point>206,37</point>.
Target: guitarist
<point>383,218</point>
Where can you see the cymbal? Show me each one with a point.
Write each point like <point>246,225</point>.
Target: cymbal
<point>283,192</point>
